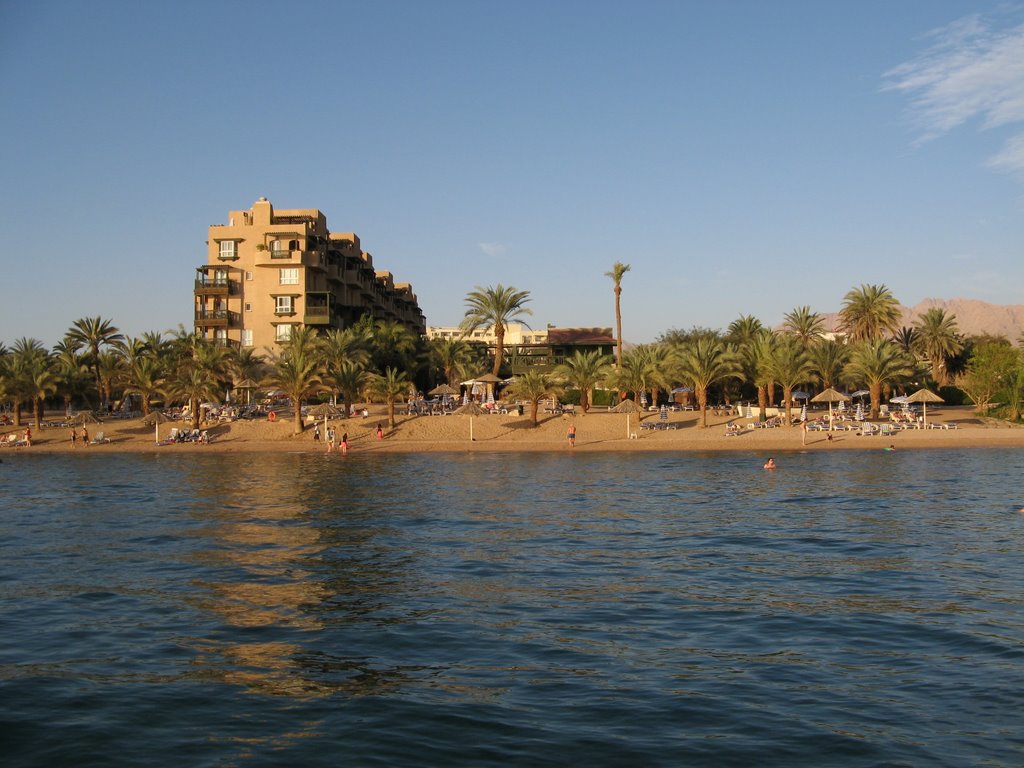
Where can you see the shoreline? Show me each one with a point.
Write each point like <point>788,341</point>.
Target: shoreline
<point>596,432</point>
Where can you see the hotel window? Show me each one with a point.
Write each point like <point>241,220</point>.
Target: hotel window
<point>284,305</point>
<point>247,337</point>
<point>248,306</point>
<point>284,333</point>
<point>248,275</point>
<point>289,277</point>
<point>228,250</point>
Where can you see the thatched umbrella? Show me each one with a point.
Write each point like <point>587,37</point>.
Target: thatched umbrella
<point>443,389</point>
<point>627,407</point>
<point>829,396</point>
<point>248,385</point>
<point>325,410</point>
<point>924,396</point>
<point>156,418</point>
<point>488,380</point>
<point>83,418</point>
<point>470,409</point>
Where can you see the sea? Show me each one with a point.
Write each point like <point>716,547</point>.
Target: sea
<point>849,608</point>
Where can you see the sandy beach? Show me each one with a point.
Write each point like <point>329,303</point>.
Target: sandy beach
<point>596,431</point>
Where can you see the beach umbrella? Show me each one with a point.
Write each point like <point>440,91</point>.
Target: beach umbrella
<point>924,396</point>
<point>443,389</point>
<point>627,406</point>
<point>663,413</point>
<point>471,409</point>
<point>830,396</point>
<point>899,400</point>
<point>156,418</point>
<point>681,390</point>
<point>83,418</point>
<point>325,411</point>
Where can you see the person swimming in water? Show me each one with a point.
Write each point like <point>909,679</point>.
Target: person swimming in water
<point>770,464</point>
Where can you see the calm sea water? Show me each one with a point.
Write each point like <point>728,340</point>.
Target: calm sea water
<point>192,609</point>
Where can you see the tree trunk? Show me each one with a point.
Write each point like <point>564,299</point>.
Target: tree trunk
<point>618,325</point>
<point>876,399</point>
<point>37,411</point>
<point>17,413</point>
<point>194,405</point>
<point>771,392</point>
<point>787,394</point>
<point>297,402</point>
<point>534,406</point>
<point>499,346</point>
<point>702,404</point>
<point>762,402</point>
<point>391,413</point>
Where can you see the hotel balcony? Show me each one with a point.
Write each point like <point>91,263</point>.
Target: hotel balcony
<point>319,309</point>
<point>216,286</point>
<point>216,318</point>
<point>277,257</point>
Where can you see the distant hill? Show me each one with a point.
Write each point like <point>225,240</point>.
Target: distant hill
<point>973,317</point>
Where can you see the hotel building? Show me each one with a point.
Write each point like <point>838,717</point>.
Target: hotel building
<point>269,271</point>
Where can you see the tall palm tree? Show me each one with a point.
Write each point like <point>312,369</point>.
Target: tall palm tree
<point>829,358</point>
<point>939,340</point>
<point>23,367</point>
<point>94,333</point>
<point>349,379</point>
<point>389,387</point>
<point>906,339</point>
<point>198,368</point>
<point>790,364</point>
<point>618,270</point>
<point>584,370</point>
<point>145,377</point>
<point>804,325</point>
<point>875,364</point>
<point>451,357</point>
<point>747,335</point>
<point>342,352</point>
<point>703,363</point>
<point>393,346</point>
<point>296,370</point>
<point>495,307</point>
<point>533,386</point>
<point>73,374</point>
<point>869,312</point>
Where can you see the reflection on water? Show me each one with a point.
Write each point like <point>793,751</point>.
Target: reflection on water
<point>656,609</point>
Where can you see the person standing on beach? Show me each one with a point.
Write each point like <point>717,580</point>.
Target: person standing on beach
<point>330,439</point>
<point>316,434</point>
<point>74,437</point>
<point>571,435</point>
<point>380,431</point>
<point>85,437</point>
<point>344,443</point>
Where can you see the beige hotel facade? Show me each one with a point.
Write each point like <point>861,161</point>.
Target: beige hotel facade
<point>270,271</point>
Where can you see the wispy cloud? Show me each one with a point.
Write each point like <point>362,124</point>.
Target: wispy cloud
<point>971,71</point>
<point>493,250</point>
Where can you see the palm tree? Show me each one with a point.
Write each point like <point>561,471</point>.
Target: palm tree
<point>869,312</point>
<point>876,363</point>
<point>703,363</point>
<point>584,370</point>
<point>451,357</point>
<point>145,378</point>
<point>41,382</point>
<point>22,370</point>
<point>393,345</point>
<point>93,333</point>
<point>618,270</point>
<point>804,325</point>
<point>906,339</point>
<point>747,335</point>
<point>389,387</point>
<point>342,353</point>
<point>296,370</point>
<point>349,379</point>
<point>533,386</point>
<point>829,358</point>
<point>111,368</point>
<point>939,341</point>
<point>198,368</point>
<point>73,375</point>
<point>789,365</point>
<point>495,307</point>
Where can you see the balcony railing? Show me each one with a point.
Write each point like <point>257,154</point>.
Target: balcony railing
<point>210,285</point>
<point>216,318</point>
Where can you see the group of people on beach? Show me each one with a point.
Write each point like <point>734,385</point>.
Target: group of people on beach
<point>332,439</point>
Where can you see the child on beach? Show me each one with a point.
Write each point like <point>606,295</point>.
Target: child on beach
<point>330,439</point>
<point>344,443</point>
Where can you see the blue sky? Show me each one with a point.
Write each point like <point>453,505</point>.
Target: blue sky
<point>742,157</point>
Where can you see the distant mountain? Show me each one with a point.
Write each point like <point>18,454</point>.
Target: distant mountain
<point>973,317</point>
